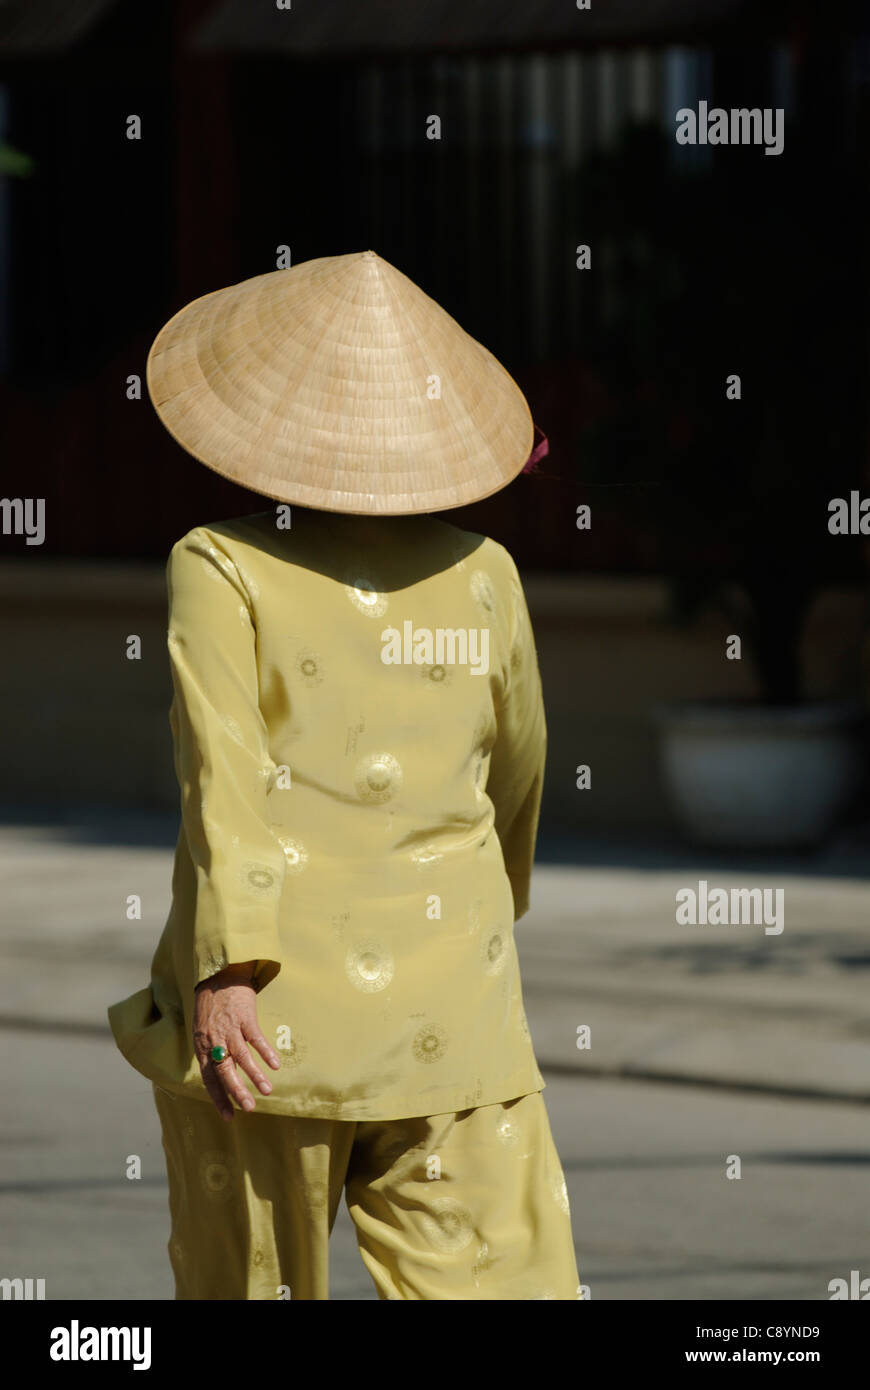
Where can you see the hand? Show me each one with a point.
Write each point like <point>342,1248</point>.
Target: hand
<point>225,1015</point>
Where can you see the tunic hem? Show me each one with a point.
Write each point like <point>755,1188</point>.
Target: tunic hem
<point>452,1103</point>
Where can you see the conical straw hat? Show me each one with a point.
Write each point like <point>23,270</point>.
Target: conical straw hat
<point>339,384</point>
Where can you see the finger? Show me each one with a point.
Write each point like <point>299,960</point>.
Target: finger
<point>216,1091</point>
<point>229,1078</point>
<point>266,1051</point>
<point>250,1068</point>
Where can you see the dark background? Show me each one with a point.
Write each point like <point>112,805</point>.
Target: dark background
<point>257,133</point>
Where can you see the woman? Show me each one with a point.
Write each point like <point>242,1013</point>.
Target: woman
<point>359,734</point>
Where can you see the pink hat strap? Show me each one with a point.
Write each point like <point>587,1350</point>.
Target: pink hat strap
<point>540,448</point>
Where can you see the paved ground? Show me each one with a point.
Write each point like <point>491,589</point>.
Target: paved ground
<point>685,1022</point>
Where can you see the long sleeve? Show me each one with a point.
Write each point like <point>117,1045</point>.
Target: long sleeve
<point>222,761</point>
<point>516,774</point>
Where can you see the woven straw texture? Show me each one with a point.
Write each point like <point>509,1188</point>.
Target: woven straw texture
<point>315,385</point>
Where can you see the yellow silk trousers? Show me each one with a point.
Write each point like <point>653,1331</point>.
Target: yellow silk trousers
<point>471,1205</point>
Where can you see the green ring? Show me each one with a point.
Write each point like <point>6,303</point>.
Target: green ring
<point>219,1054</point>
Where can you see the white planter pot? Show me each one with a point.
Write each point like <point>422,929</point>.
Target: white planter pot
<point>755,776</point>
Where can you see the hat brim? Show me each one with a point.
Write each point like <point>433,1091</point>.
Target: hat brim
<point>339,384</point>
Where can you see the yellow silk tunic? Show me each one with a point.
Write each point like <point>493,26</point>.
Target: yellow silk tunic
<point>359,740</point>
